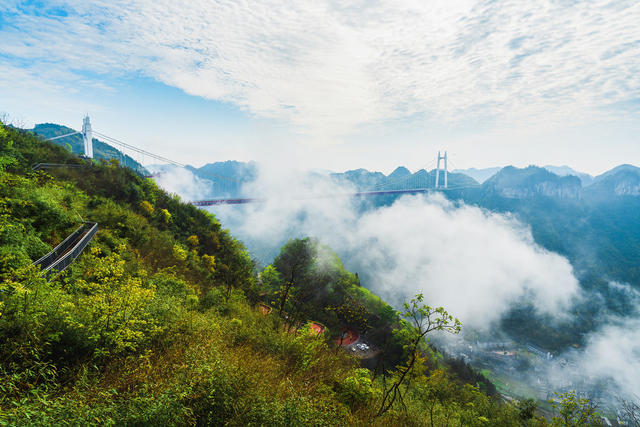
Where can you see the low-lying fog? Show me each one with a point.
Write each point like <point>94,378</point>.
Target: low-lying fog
<point>473,262</point>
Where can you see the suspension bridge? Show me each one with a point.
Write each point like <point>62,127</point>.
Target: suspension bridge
<point>420,182</point>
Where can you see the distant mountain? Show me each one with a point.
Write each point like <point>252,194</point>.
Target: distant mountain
<point>511,182</point>
<point>75,144</point>
<point>597,227</point>
<point>623,180</point>
<point>480,175</point>
<point>617,170</point>
<point>401,178</point>
<point>226,178</point>
<point>399,173</point>
<point>585,178</point>
<point>361,178</point>
<point>241,171</point>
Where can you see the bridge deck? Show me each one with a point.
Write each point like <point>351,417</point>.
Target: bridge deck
<point>240,201</point>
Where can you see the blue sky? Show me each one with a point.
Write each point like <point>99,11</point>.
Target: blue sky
<point>335,85</point>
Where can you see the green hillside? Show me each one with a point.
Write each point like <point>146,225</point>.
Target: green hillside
<point>73,143</point>
<point>163,321</point>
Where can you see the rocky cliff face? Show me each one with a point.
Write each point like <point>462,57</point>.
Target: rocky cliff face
<point>548,189</point>
<point>627,188</point>
<point>515,183</point>
<point>623,180</point>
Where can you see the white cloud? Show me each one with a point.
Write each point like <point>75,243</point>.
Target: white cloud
<point>608,365</point>
<point>613,352</point>
<point>329,67</point>
<point>474,263</point>
<point>179,181</point>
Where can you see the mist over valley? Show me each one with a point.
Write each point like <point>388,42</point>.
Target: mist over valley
<point>541,269</point>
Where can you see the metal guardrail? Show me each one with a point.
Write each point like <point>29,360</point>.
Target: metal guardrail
<point>39,166</point>
<point>66,252</point>
<point>46,261</point>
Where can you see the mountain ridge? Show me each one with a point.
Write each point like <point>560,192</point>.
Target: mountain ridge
<point>512,182</point>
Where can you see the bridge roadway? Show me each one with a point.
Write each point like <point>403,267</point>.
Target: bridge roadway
<point>242,201</point>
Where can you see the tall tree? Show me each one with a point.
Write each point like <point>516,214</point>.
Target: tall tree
<point>424,319</point>
<point>294,264</point>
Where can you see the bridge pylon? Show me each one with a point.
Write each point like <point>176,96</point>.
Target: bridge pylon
<point>87,137</point>
<point>438,170</point>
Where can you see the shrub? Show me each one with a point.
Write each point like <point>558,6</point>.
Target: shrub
<point>147,208</point>
<point>179,252</point>
<point>193,241</point>
<point>111,306</point>
<point>165,215</point>
<point>356,389</point>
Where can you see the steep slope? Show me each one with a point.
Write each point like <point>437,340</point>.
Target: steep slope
<point>530,182</point>
<point>101,149</point>
<point>623,180</point>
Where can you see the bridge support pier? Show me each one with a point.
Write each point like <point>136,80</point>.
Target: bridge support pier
<point>87,137</point>
<point>438,170</point>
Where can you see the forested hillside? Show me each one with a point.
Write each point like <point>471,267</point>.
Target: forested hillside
<point>74,144</point>
<point>163,321</point>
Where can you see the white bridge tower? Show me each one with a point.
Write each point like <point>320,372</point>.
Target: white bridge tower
<point>438,170</point>
<point>87,136</point>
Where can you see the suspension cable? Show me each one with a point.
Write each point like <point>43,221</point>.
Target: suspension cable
<point>160,158</point>
<point>62,136</point>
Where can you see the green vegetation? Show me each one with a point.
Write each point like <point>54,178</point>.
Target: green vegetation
<point>157,322</point>
<point>574,411</point>
<point>75,144</point>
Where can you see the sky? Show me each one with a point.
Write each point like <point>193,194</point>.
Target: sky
<point>335,85</point>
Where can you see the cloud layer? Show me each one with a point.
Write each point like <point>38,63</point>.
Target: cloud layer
<point>610,361</point>
<point>329,68</point>
<point>179,181</point>
<point>474,263</point>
